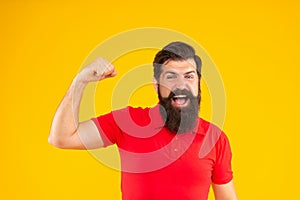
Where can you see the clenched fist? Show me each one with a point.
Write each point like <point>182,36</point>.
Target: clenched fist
<point>98,70</point>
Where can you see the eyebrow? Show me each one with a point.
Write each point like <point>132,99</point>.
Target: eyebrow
<point>169,72</point>
<point>190,72</point>
<point>172,72</point>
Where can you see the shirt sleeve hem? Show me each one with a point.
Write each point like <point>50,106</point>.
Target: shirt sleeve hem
<point>225,181</point>
<point>106,141</point>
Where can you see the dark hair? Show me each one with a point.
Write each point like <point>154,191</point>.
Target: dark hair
<point>175,51</point>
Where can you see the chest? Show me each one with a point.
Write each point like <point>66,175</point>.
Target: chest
<point>175,157</point>
<point>172,170</point>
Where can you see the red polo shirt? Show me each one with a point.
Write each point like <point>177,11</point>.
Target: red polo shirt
<point>158,164</point>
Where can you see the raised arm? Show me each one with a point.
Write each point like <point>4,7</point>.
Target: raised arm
<point>66,130</point>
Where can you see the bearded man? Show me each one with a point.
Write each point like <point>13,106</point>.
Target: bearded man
<point>161,148</point>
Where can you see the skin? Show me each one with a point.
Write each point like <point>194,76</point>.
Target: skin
<point>68,133</point>
<point>181,74</point>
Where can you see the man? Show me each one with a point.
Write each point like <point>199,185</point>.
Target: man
<point>167,152</point>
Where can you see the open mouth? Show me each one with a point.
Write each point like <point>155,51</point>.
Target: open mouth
<point>180,100</point>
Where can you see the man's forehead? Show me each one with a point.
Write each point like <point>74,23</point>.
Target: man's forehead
<point>182,65</point>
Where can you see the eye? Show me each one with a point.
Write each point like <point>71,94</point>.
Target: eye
<point>189,77</point>
<point>171,77</point>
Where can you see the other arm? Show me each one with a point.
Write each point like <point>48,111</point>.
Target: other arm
<point>225,191</point>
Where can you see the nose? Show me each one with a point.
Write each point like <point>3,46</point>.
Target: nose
<point>181,83</point>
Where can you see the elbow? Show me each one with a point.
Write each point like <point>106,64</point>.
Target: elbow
<point>56,141</point>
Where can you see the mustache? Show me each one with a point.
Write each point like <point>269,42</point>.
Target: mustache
<point>177,92</point>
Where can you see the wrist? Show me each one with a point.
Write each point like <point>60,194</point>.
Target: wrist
<point>78,82</point>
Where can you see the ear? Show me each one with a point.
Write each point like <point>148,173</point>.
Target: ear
<point>155,85</point>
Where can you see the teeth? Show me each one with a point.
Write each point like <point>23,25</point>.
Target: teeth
<point>180,96</point>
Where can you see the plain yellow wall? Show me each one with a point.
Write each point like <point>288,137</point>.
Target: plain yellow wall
<point>254,44</point>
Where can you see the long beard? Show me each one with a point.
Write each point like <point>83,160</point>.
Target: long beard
<point>180,120</point>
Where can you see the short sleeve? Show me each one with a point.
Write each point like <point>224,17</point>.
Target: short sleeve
<point>222,172</point>
<point>108,128</point>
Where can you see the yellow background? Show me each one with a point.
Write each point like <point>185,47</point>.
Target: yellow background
<point>255,45</point>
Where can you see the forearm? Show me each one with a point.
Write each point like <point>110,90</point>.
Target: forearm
<point>65,121</point>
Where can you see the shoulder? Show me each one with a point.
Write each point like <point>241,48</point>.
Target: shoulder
<point>137,114</point>
<point>214,137</point>
<point>209,129</point>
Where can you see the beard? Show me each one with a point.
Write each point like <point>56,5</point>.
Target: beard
<point>180,120</point>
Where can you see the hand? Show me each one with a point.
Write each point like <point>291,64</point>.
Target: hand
<point>98,70</point>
